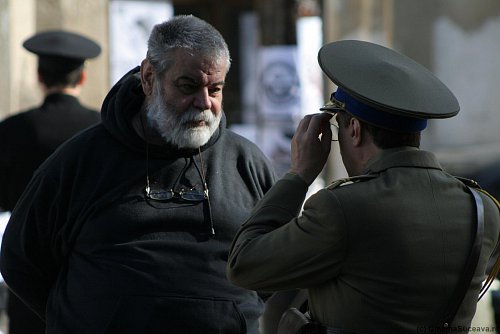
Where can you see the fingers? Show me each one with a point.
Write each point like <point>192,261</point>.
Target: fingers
<point>316,125</point>
<point>304,124</point>
<point>310,146</point>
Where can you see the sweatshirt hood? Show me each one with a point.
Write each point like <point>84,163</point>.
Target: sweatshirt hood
<point>123,102</point>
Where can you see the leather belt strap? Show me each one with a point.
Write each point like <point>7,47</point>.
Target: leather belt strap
<point>470,266</point>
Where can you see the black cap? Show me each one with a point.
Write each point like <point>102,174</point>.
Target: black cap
<point>62,44</point>
<point>62,49</point>
<point>384,87</point>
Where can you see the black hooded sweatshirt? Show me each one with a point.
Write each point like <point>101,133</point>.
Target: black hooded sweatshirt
<point>90,253</point>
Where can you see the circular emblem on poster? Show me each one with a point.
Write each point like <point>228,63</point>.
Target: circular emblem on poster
<point>280,83</point>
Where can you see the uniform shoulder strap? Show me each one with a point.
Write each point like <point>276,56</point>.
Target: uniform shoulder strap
<point>349,180</point>
<point>468,182</point>
<point>475,185</point>
<point>496,267</point>
<point>470,264</point>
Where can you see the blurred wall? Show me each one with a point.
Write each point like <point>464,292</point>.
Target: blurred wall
<point>457,40</point>
<point>17,67</point>
<point>19,19</point>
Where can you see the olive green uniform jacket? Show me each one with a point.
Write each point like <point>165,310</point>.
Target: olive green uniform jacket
<point>381,255</point>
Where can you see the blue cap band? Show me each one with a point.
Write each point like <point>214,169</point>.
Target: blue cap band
<point>379,118</point>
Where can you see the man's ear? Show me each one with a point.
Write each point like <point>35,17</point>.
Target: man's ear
<point>147,77</point>
<point>355,132</point>
<point>83,78</point>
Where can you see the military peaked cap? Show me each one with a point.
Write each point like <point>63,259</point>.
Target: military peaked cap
<point>383,87</point>
<point>61,51</point>
<point>62,44</point>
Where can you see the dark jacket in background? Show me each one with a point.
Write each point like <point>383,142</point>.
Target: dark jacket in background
<point>26,140</point>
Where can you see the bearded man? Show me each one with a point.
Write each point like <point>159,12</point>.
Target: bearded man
<point>126,228</point>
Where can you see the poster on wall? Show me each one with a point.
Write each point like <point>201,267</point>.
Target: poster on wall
<point>131,21</point>
<point>278,81</point>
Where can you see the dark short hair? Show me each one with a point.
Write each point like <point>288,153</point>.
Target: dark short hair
<point>60,71</point>
<point>383,138</point>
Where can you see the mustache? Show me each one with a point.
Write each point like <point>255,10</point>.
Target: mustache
<point>193,115</point>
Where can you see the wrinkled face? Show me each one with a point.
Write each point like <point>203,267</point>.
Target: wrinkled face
<point>185,107</point>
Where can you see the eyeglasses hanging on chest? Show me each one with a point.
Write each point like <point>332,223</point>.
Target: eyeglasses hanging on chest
<point>177,193</point>
<point>182,194</point>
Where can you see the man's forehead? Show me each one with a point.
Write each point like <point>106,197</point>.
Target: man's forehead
<point>195,65</point>
<point>199,76</point>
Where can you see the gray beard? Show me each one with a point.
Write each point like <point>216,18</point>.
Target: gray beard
<point>176,129</point>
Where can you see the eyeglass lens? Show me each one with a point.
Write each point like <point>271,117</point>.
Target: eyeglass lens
<point>165,195</point>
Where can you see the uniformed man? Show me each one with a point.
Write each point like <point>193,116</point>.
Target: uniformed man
<point>399,247</point>
<point>29,137</point>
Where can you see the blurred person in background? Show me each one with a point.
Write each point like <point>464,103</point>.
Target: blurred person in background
<point>30,136</point>
<point>400,246</point>
<point>127,227</point>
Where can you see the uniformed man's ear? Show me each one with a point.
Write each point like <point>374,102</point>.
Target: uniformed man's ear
<point>147,77</point>
<point>83,78</point>
<point>355,132</point>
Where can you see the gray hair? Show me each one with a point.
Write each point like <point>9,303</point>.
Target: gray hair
<point>185,32</point>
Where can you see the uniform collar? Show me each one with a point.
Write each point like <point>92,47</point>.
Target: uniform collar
<point>405,156</point>
<point>58,97</point>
